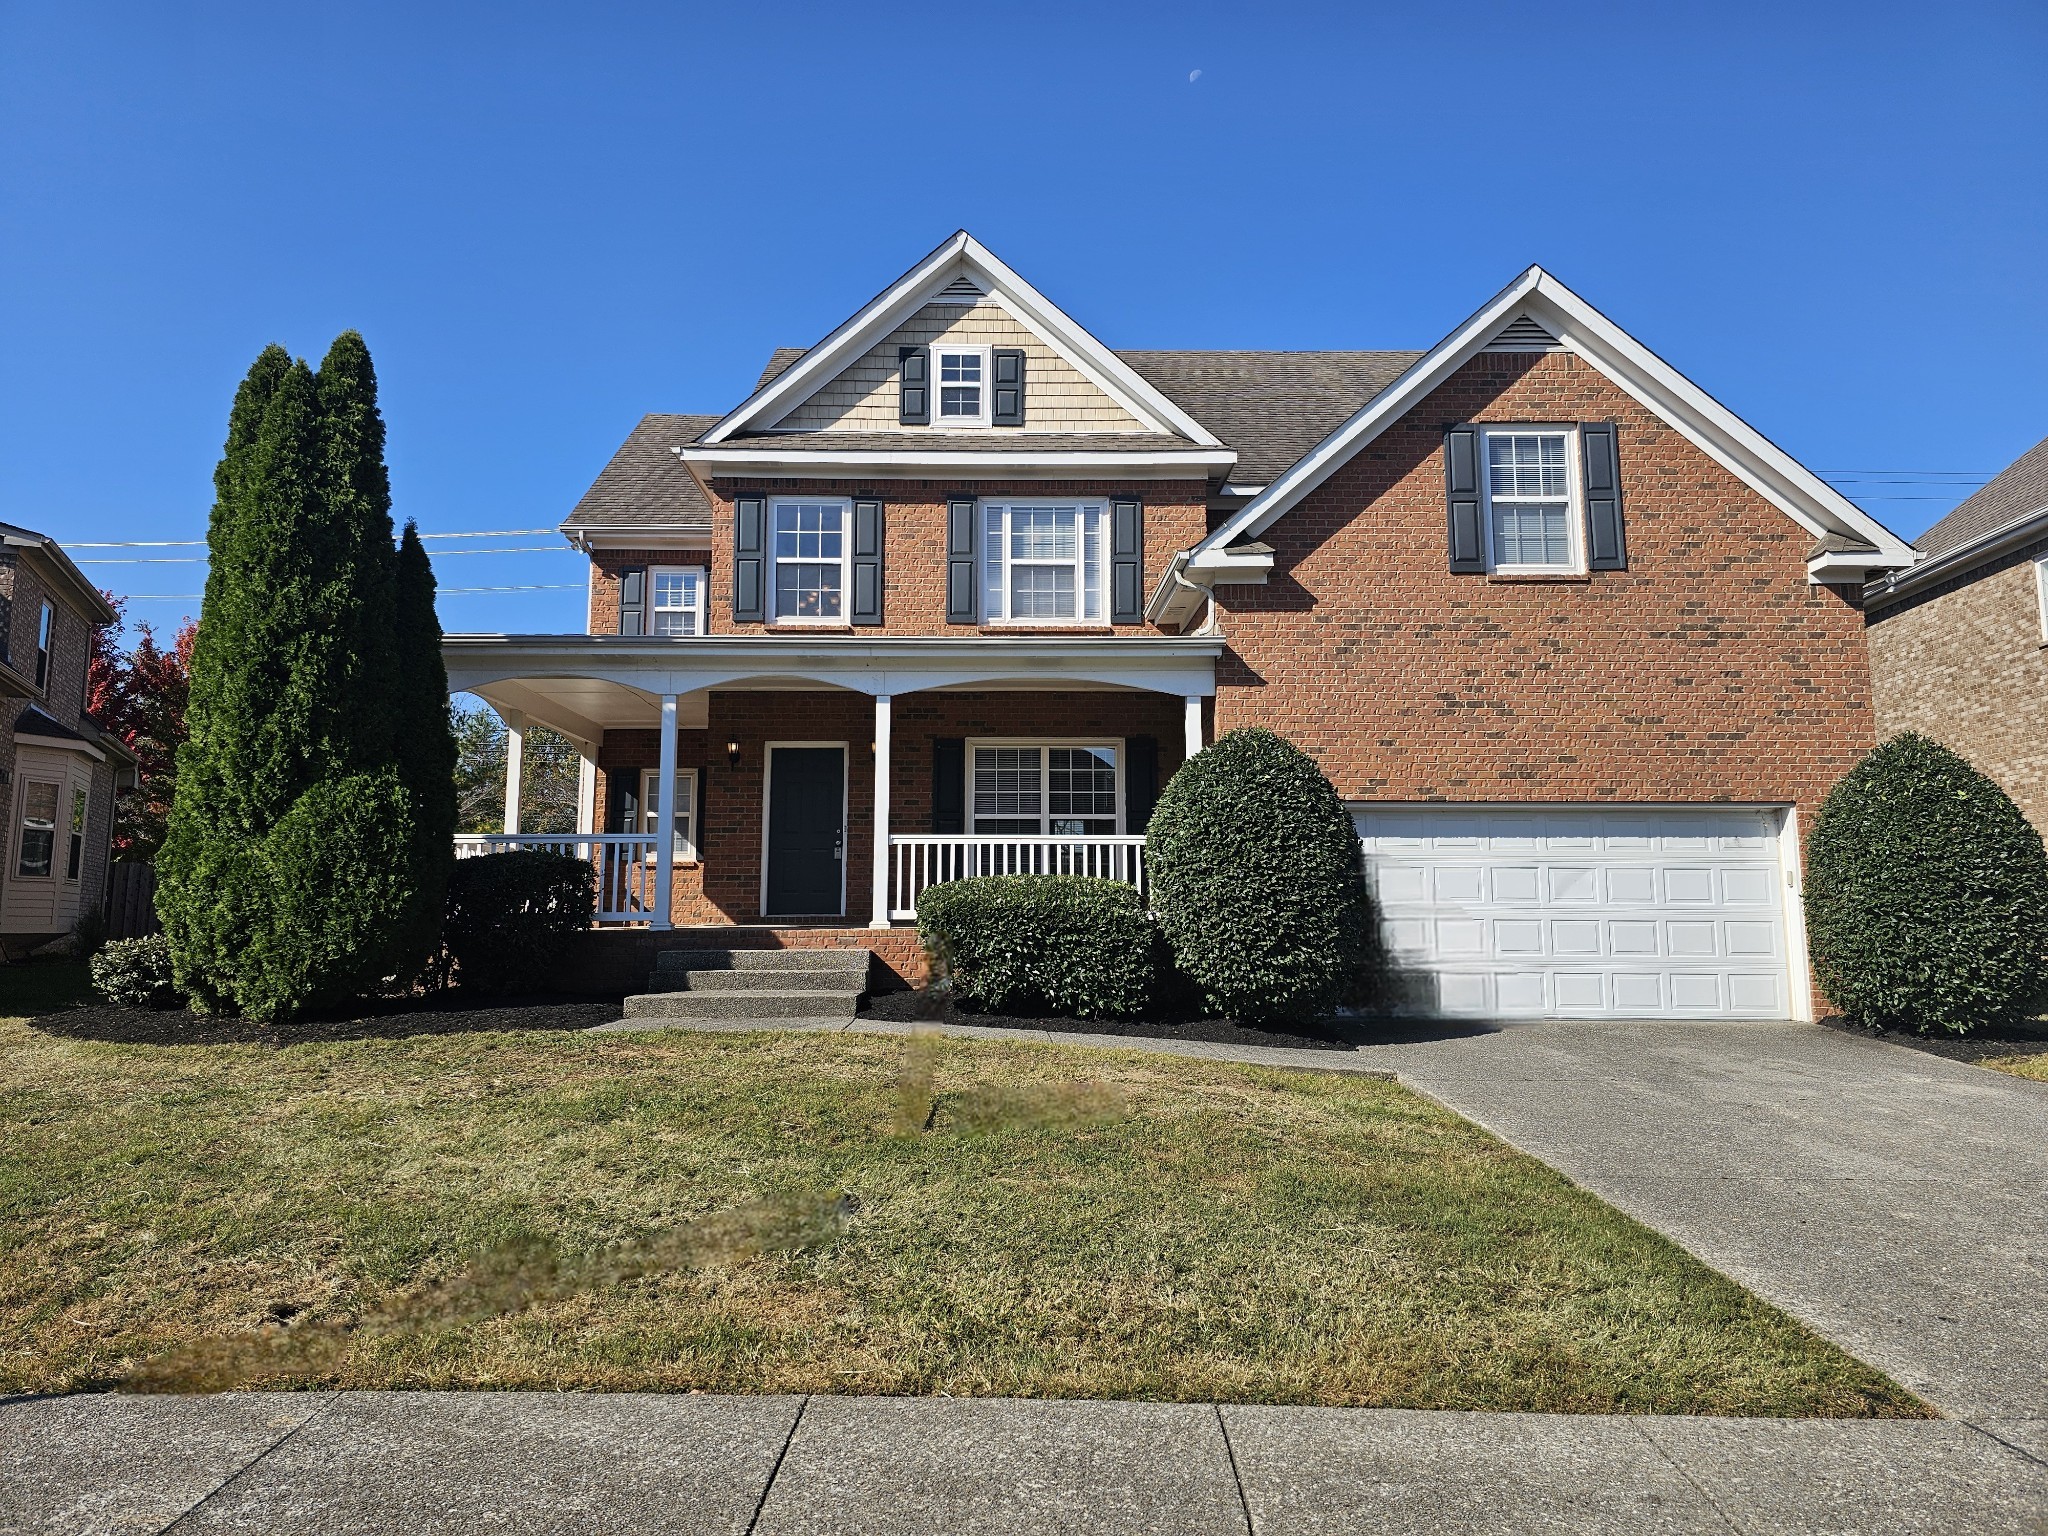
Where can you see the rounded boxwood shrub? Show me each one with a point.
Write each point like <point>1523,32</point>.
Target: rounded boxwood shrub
<point>1258,882</point>
<point>512,915</point>
<point>135,973</point>
<point>1926,893</point>
<point>1078,947</point>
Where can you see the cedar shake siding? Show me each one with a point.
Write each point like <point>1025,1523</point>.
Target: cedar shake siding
<point>1963,661</point>
<point>1709,670</point>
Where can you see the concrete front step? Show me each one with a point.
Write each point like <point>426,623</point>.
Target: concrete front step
<point>743,1005</point>
<point>784,960</point>
<point>699,979</point>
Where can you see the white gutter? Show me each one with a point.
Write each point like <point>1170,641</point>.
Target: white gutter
<point>1986,546</point>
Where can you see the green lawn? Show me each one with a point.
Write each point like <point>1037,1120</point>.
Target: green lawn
<point>753,1213</point>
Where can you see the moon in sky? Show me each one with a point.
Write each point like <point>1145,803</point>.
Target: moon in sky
<point>1194,75</point>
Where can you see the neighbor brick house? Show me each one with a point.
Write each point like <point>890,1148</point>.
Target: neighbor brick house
<point>1959,643</point>
<point>58,771</point>
<point>959,588</point>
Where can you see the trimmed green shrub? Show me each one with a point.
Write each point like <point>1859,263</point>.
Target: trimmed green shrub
<point>1258,883</point>
<point>512,915</point>
<point>1074,946</point>
<point>1926,894</point>
<point>135,973</point>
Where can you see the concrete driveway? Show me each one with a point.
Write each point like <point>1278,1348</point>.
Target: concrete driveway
<point>1895,1201</point>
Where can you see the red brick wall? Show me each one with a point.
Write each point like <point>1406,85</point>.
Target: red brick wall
<point>914,551</point>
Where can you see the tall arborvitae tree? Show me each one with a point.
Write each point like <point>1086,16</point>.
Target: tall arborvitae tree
<point>289,876</point>
<point>426,743</point>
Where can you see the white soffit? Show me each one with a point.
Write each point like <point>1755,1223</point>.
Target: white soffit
<point>1708,425</point>
<point>962,256</point>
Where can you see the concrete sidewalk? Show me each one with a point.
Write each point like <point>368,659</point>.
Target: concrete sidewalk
<point>457,1463</point>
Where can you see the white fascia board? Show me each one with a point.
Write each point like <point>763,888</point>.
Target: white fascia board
<point>910,293</point>
<point>1987,546</point>
<point>1166,464</point>
<point>61,744</point>
<point>586,538</point>
<point>1711,427</point>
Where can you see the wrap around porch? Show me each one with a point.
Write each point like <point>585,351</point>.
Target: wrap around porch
<point>985,755</point>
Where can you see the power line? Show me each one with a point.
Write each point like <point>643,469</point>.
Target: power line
<point>488,533</point>
<point>193,597</point>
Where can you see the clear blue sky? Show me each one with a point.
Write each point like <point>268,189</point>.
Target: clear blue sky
<point>548,219</point>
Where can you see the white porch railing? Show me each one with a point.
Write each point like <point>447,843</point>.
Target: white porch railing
<point>919,861</point>
<point>624,862</point>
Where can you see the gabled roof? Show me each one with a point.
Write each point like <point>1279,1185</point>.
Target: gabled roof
<point>645,486</point>
<point>1710,426</point>
<point>42,547</point>
<point>2019,490</point>
<point>961,256</point>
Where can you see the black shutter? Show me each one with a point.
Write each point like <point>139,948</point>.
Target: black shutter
<point>1606,547</point>
<point>622,800</point>
<point>914,386</point>
<point>1141,782</point>
<point>633,600</point>
<point>961,607</point>
<point>1461,489</point>
<point>1126,562</point>
<point>749,558</point>
<point>949,784</point>
<point>867,561</point>
<point>1007,407</point>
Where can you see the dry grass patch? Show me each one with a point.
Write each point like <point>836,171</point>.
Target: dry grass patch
<point>2035,1067</point>
<point>754,1213</point>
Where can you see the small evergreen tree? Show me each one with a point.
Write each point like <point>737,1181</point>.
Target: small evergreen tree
<point>426,744</point>
<point>289,876</point>
<point>1257,881</point>
<point>1926,893</point>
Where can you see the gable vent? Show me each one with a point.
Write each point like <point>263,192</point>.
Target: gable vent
<point>1522,334</point>
<point>962,290</point>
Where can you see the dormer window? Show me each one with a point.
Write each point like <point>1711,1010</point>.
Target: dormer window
<point>962,383</point>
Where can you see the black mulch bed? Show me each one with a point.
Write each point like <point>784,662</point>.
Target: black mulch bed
<point>932,1008</point>
<point>388,1018</point>
<point>2025,1039</point>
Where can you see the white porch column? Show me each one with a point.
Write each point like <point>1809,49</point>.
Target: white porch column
<point>878,913</point>
<point>665,819</point>
<point>586,788</point>
<point>1194,723</point>
<point>515,763</point>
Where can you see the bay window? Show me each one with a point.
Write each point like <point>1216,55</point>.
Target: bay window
<point>1044,789</point>
<point>1042,562</point>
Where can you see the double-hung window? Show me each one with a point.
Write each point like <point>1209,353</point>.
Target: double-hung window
<point>686,809</point>
<point>75,859</point>
<point>1532,525</point>
<point>44,627</point>
<point>1042,562</point>
<point>675,600</point>
<point>811,544</point>
<point>1044,789</point>
<point>961,378</point>
<point>2041,593</point>
<point>36,852</point>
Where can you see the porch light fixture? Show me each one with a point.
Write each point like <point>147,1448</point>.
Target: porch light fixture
<point>732,754</point>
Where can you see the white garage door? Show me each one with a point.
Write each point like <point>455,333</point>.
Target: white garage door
<point>1583,912</point>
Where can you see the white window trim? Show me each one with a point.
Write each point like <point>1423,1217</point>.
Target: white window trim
<point>1574,506</point>
<point>46,647</point>
<point>2041,592</point>
<point>956,423</point>
<point>18,841</point>
<point>1044,743</point>
<point>686,845</point>
<point>776,618</point>
<point>1100,506</point>
<point>698,609</point>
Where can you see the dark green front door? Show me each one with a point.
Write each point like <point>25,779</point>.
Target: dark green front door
<point>806,832</point>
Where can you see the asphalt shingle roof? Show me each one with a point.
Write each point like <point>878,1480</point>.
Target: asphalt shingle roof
<point>645,485</point>
<point>2017,491</point>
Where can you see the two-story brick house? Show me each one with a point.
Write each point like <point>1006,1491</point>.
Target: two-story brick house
<point>58,771</point>
<point>958,588</point>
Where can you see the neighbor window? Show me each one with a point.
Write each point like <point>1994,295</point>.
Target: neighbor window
<point>962,382</point>
<point>1044,789</point>
<point>686,809</point>
<point>1529,486</point>
<point>76,856</point>
<point>675,603</point>
<point>810,561</point>
<point>38,828</point>
<point>1042,562</point>
<point>44,626</point>
<point>2041,591</point>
